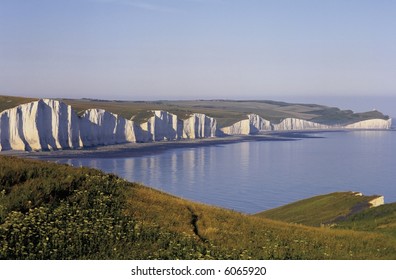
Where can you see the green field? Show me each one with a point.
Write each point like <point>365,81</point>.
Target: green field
<point>50,211</point>
<point>7,102</point>
<point>320,210</point>
<point>226,112</point>
<point>380,219</point>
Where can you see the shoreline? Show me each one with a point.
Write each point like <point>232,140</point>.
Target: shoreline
<point>152,148</point>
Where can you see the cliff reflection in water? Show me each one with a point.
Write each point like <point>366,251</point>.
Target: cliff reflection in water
<point>253,176</point>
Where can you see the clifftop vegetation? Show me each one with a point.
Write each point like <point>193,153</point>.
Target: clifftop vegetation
<point>321,210</point>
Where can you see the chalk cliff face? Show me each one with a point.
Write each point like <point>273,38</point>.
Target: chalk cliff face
<point>239,128</point>
<point>298,124</point>
<point>377,202</point>
<point>199,126</point>
<point>371,124</point>
<point>254,124</point>
<point>41,125</point>
<point>161,126</point>
<point>166,126</point>
<point>50,124</point>
<point>258,124</point>
<point>99,127</point>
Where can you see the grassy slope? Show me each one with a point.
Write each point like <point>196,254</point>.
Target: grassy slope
<point>323,209</point>
<point>7,102</point>
<point>379,219</point>
<point>56,211</point>
<point>342,210</point>
<point>226,112</point>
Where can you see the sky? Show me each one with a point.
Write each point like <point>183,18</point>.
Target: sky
<point>337,51</point>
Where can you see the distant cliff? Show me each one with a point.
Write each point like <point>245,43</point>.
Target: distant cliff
<point>248,126</point>
<point>99,127</point>
<point>199,126</point>
<point>252,125</point>
<point>298,124</point>
<point>371,124</point>
<point>50,124</point>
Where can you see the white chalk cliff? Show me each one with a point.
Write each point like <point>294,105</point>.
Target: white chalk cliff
<point>255,124</point>
<point>199,126</point>
<point>371,124</point>
<point>166,126</point>
<point>50,124</point>
<point>252,125</point>
<point>99,127</point>
<point>161,126</point>
<point>377,201</point>
<point>299,124</point>
<point>41,125</point>
<point>239,128</point>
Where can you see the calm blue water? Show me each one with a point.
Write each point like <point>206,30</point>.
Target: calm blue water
<point>254,176</point>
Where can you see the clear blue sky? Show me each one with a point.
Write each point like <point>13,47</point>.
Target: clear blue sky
<point>190,49</point>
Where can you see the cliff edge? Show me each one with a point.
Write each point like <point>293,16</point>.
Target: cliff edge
<point>49,124</point>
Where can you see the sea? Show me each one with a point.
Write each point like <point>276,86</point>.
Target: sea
<point>253,176</point>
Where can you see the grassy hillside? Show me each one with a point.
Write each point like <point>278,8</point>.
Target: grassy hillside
<point>226,112</point>
<point>379,219</point>
<point>7,102</point>
<point>319,210</point>
<point>50,211</point>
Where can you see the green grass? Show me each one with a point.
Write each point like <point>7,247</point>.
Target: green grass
<point>335,116</point>
<point>320,210</point>
<point>379,219</point>
<point>7,102</point>
<point>50,211</point>
<point>226,112</point>
<point>53,211</point>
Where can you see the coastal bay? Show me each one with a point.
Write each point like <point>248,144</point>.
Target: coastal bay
<point>251,173</point>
